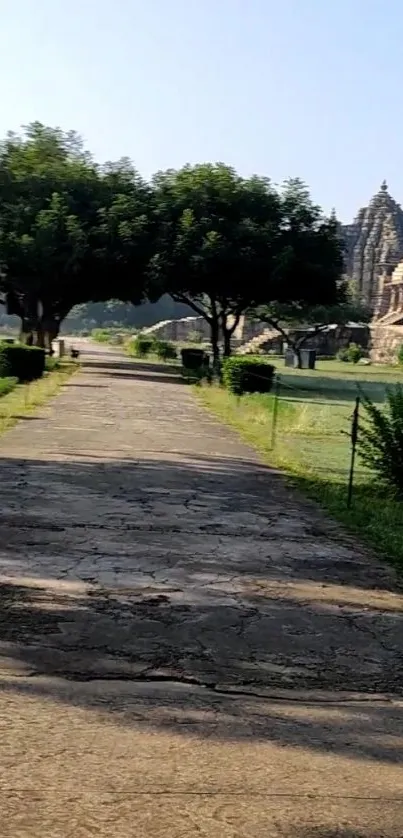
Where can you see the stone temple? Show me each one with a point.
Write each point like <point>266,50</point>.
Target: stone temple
<point>374,256</point>
<point>374,263</point>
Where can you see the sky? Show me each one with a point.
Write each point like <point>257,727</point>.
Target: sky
<point>282,88</point>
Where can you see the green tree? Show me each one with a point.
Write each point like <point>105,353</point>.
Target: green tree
<point>215,242</point>
<point>225,244</point>
<point>69,231</point>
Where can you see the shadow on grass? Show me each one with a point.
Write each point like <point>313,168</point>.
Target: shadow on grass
<point>324,390</point>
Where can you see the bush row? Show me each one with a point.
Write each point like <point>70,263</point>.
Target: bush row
<point>143,345</point>
<point>25,363</point>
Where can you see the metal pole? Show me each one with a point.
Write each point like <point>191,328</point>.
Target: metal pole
<point>354,438</point>
<point>275,411</point>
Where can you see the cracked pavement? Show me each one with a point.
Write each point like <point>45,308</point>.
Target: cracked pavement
<point>172,613</point>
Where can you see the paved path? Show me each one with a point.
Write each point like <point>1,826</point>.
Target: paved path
<point>187,648</point>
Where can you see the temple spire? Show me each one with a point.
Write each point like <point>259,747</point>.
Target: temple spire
<point>384,186</point>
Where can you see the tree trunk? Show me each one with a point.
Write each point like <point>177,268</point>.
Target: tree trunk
<point>214,331</point>
<point>227,335</point>
<point>26,335</point>
<point>51,328</point>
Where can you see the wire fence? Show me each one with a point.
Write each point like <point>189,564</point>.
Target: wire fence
<point>311,422</point>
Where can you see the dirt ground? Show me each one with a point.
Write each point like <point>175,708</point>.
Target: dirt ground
<point>187,647</point>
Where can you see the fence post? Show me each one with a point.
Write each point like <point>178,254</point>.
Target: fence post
<point>275,411</point>
<point>354,438</point>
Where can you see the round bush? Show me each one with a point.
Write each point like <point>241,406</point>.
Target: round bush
<point>165,350</point>
<point>241,375</point>
<point>351,354</point>
<point>141,346</point>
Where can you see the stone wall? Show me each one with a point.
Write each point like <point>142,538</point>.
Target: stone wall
<point>385,343</point>
<point>180,330</point>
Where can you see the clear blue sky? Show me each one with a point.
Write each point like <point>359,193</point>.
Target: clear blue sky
<point>308,88</point>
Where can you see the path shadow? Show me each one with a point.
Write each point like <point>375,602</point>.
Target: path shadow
<point>140,375</point>
<point>22,418</point>
<point>213,574</point>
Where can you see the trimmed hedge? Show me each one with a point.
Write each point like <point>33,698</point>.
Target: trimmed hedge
<point>23,362</point>
<point>241,375</point>
<point>194,359</point>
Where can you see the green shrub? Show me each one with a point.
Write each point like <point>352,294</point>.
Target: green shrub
<point>199,375</point>
<point>242,375</point>
<point>400,355</point>
<point>194,337</point>
<point>351,354</point>
<point>23,362</point>
<point>380,439</point>
<point>141,346</point>
<point>194,359</point>
<point>52,363</point>
<point>101,335</point>
<point>165,350</point>
<point>7,385</point>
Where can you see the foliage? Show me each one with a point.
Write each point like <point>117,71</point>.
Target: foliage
<point>75,233</point>
<point>226,243</point>
<point>67,226</point>
<point>380,439</point>
<point>141,346</point>
<point>243,375</point>
<point>165,350</point>
<point>101,335</point>
<point>400,355</point>
<point>52,364</point>
<point>7,385</point>
<point>22,362</point>
<point>194,337</point>
<point>351,354</point>
<point>117,314</point>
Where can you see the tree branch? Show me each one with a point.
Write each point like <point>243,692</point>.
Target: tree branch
<point>275,325</point>
<point>316,330</point>
<point>181,298</point>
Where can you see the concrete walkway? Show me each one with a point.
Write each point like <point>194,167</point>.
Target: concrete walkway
<point>187,648</point>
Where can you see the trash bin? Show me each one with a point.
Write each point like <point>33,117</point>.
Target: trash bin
<point>290,358</point>
<point>308,359</point>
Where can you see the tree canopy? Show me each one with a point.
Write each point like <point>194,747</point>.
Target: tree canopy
<point>74,231</point>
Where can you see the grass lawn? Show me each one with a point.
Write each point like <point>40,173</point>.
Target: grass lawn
<point>312,441</point>
<point>25,398</point>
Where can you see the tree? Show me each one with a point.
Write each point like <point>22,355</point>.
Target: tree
<point>225,244</point>
<point>69,231</point>
<point>215,242</point>
<point>298,322</point>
